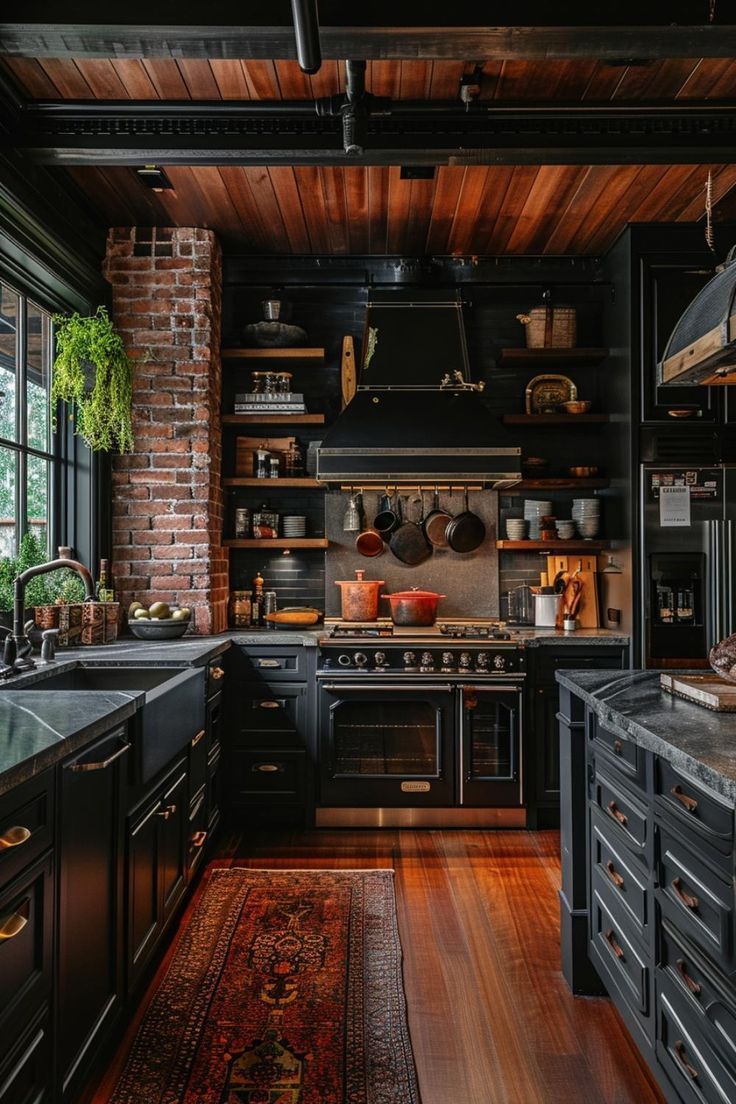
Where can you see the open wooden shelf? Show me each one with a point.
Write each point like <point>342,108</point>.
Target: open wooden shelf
<point>554,419</point>
<point>273,354</point>
<point>265,543</point>
<point>273,419</point>
<point>561,484</point>
<point>552,545</point>
<point>575,356</point>
<point>282,483</point>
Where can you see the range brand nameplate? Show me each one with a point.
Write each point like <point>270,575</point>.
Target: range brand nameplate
<point>415,787</point>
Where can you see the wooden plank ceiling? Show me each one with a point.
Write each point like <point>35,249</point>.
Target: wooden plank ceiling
<point>473,210</point>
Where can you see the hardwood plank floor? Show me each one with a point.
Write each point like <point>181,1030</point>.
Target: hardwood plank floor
<point>491,1018</point>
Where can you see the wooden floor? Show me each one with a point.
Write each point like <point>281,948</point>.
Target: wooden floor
<point>491,1019</point>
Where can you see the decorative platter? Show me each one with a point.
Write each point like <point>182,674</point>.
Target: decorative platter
<point>545,394</point>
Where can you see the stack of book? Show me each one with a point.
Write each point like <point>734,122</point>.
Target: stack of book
<point>283,402</point>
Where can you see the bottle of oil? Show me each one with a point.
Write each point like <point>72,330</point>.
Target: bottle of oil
<point>257,600</point>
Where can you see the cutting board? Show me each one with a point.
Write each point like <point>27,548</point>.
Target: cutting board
<point>710,691</point>
<point>588,614</point>
<point>348,378</point>
<point>246,447</point>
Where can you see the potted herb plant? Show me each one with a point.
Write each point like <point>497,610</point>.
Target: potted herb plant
<point>93,374</point>
<point>30,554</point>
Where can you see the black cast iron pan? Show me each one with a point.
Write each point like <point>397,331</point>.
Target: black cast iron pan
<point>466,531</point>
<point>409,544</point>
<point>436,522</point>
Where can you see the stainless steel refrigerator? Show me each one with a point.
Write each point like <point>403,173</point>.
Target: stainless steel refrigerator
<point>688,543</point>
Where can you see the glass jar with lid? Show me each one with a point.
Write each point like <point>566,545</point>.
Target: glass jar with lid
<point>265,523</point>
<point>264,383</point>
<point>283,382</point>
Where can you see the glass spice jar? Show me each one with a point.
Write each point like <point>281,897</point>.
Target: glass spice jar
<point>294,461</point>
<point>283,382</point>
<point>240,609</point>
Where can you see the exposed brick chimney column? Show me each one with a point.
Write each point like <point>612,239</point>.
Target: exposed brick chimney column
<point>167,497</point>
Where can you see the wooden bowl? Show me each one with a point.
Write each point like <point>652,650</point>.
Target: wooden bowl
<point>583,471</point>
<point>577,406</point>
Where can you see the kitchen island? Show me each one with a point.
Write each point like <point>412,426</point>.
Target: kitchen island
<point>647,901</point>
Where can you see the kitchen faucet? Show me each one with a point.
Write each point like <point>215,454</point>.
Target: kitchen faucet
<point>17,644</point>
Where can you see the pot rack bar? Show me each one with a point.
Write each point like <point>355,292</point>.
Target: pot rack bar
<point>426,488</point>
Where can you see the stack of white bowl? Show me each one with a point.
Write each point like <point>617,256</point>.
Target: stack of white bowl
<point>565,529</point>
<point>534,511</point>
<point>294,525</point>
<point>586,513</point>
<point>516,529</point>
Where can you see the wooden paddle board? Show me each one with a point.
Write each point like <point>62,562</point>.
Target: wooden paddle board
<point>348,377</point>
<point>710,691</point>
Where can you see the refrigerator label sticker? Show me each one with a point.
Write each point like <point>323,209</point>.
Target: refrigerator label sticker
<point>704,483</point>
<point>674,506</point>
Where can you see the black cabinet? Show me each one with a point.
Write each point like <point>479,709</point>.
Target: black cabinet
<point>90,977</point>
<point>25,1073</point>
<point>156,865</point>
<point>542,732</point>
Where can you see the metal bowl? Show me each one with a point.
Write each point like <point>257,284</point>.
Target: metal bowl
<point>167,629</point>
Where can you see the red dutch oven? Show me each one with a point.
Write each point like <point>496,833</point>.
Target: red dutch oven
<point>414,607</point>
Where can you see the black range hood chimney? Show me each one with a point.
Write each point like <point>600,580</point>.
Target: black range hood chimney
<point>416,416</point>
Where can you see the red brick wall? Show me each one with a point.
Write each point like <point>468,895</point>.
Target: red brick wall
<point>167,497</point>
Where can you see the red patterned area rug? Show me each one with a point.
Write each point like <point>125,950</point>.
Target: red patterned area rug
<point>285,988</point>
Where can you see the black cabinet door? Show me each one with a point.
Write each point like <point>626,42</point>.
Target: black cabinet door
<point>90,902</point>
<point>547,760</point>
<point>215,718</point>
<point>172,829</point>
<point>669,284</point>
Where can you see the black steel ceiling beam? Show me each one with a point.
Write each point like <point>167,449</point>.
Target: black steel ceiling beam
<point>626,29</point>
<point>402,132</point>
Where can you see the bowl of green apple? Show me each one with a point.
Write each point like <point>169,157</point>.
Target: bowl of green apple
<point>159,621</point>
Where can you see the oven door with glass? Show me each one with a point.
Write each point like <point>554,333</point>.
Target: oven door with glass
<point>489,766</point>
<point>386,744</point>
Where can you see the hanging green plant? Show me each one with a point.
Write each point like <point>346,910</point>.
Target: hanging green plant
<point>93,375</point>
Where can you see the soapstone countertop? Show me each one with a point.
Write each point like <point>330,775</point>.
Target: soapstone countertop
<point>697,740</point>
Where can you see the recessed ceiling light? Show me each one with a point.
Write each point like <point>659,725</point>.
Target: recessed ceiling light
<point>154,178</point>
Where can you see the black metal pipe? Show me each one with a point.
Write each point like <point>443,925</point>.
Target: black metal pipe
<point>306,29</point>
<point>355,79</point>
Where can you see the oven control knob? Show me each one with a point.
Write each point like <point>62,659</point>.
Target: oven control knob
<point>344,660</point>
<point>448,659</point>
<point>410,659</point>
<point>427,659</point>
<point>481,660</point>
<point>380,659</point>
<point>360,659</point>
<point>499,662</point>
<point>465,659</point>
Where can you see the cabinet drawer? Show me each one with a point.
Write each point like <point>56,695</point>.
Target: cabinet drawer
<point>693,1065</point>
<point>703,989</point>
<point>25,1076</point>
<point>198,749</point>
<point>276,664</point>
<point>196,831</point>
<point>215,676</point>
<point>696,900</point>
<point>626,816</point>
<point>696,810</point>
<point>613,946</point>
<point>618,875</point>
<point>628,757</point>
<point>262,714</point>
<point>266,776</point>
<point>26,911</point>
<point>26,824</point>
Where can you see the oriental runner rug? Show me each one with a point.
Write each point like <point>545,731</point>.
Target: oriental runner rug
<point>285,988</point>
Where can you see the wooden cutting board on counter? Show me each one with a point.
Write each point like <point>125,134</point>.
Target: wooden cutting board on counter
<point>588,613</point>
<point>710,691</point>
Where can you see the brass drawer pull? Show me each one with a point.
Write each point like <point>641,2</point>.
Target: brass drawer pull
<point>13,925</point>
<point>269,663</point>
<point>268,768</point>
<point>614,875</point>
<point>14,837</point>
<point>611,940</point>
<point>166,812</point>
<point>616,813</point>
<point>688,899</point>
<point>103,764</point>
<point>268,705</point>
<point>200,736</point>
<point>682,1059</point>
<point>618,747</point>
<point>217,672</point>
<point>690,982</point>
<point>198,839</point>
<point>689,802</point>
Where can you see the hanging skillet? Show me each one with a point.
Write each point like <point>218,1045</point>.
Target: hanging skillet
<point>409,544</point>
<point>436,522</point>
<point>466,531</point>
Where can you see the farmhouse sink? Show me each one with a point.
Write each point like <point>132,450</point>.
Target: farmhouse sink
<point>172,714</point>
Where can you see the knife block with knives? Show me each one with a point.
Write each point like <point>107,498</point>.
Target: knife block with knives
<point>584,569</point>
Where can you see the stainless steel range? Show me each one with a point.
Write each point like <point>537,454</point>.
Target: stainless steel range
<point>420,726</point>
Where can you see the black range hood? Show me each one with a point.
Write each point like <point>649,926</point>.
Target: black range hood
<point>416,417</point>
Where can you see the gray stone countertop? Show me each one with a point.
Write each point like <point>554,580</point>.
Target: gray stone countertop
<point>552,637</point>
<point>697,740</point>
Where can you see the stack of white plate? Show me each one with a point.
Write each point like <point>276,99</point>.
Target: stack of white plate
<point>516,529</point>
<point>534,511</point>
<point>294,525</point>
<point>586,513</point>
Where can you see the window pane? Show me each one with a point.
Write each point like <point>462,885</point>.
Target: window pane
<point>8,534</point>
<point>38,375</point>
<point>37,500</point>
<point>8,360</point>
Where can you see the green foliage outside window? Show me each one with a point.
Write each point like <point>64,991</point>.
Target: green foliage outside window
<point>57,586</point>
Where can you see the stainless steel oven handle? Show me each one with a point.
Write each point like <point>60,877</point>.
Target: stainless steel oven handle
<point>477,688</point>
<point>385,686</point>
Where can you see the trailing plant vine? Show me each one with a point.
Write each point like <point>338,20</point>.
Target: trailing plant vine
<point>102,413</point>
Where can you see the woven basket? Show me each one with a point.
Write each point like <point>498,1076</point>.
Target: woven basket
<point>550,327</point>
<point>88,623</point>
<point>46,617</point>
